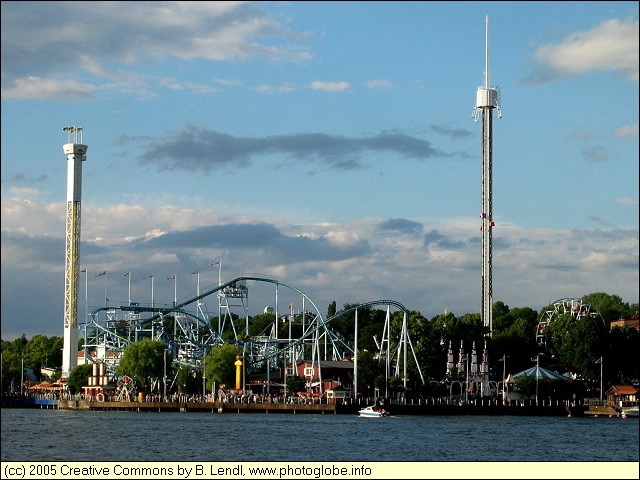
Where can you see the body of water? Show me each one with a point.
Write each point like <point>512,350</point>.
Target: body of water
<point>34,435</point>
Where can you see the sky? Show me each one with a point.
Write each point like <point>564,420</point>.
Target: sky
<point>330,146</point>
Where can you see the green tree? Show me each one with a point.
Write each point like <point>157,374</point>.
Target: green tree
<point>261,324</point>
<point>79,377</point>
<point>368,369</point>
<point>611,307</point>
<point>577,343</point>
<point>189,380</point>
<point>42,351</point>
<point>501,316</point>
<point>143,361</point>
<point>526,385</point>
<point>295,384</point>
<point>220,365</point>
<point>331,309</point>
<point>621,360</point>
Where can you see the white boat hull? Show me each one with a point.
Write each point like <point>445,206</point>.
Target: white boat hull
<point>369,412</point>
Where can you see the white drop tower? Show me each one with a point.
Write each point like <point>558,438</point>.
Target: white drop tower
<point>76,154</point>
<point>487,98</point>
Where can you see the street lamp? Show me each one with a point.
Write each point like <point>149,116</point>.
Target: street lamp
<point>204,376</point>
<point>175,289</point>
<point>504,375</point>
<point>128,274</point>
<point>466,386</point>
<point>197,274</point>
<point>106,300</point>
<point>600,361</point>
<point>151,277</point>
<point>537,375</point>
<point>86,293</point>
<point>165,372</point>
<point>219,263</point>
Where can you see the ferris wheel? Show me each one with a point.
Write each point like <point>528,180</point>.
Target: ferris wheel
<point>576,307</point>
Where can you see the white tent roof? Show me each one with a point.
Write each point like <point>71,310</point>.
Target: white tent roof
<point>543,373</point>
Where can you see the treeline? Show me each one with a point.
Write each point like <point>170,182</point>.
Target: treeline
<point>570,344</point>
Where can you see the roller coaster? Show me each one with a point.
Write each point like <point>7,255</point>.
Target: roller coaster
<point>189,334</point>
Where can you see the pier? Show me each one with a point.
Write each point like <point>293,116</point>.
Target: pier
<point>213,407</point>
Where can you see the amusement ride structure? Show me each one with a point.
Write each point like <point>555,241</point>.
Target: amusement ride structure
<point>190,334</point>
<point>576,307</point>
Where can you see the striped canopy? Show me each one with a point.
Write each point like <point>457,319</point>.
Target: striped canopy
<point>543,374</point>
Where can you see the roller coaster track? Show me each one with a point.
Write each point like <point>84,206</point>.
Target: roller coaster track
<point>194,344</point>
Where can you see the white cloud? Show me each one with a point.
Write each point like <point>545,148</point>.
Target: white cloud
<point>44,88</point>
<point>627,201</point>
<point>331,86</point>
<point>378,84</point>
<point>611,46</point>
<point>627,132</point>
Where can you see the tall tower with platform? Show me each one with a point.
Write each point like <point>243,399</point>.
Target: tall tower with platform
<point>75,151</point>
<point>487,98</point>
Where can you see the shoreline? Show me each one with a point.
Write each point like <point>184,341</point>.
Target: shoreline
<point>307,409</point>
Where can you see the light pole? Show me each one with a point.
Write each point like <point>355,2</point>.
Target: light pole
<point>86,293</point>
<point>151,277</point>
<point>466,386</point>
<point>537,375</point>
<point>204,376</point>
<point>197,274</point>
<point>22,378</point>
<point>504,375</point>
<point>175,289</point>
<point>219,263</point>
<point>106,300</point>
<point>128,274</point>
<point>601,363</point>
<point>165,374</point>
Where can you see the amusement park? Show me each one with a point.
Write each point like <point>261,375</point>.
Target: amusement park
<point>207,348</point>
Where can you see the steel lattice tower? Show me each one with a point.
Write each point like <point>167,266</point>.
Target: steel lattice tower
<point>76,154</point>
<point>487,98</point>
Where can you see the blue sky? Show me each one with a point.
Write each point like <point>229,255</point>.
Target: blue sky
<point>330,145</point>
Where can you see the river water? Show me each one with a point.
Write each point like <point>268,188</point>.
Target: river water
<point>31,435</point>
<point>403,446</point>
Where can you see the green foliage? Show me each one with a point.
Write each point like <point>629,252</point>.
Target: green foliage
<point>621,361</point>
<point>331,309</point>
<point>143,361</point>
<point>576,343</point>
<point>295,384</point>
<point>220,365</point>
<point>189,380</point>
<point>571,344</point>
<point>42,351</point>
<point>526,385</point>
<point>79,377</point>
<point>429,346</point>
<point>610,307</point>
<point>368,369</point>
<point>261,324</point>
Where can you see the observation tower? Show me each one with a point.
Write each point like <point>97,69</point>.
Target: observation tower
<point>76,154</point>
<point>487,98</point>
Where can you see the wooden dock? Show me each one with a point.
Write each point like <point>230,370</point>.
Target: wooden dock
<point>213,407</point>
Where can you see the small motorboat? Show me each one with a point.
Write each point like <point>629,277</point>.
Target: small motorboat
<point>630,412</point>
<point>373,412</point>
